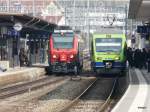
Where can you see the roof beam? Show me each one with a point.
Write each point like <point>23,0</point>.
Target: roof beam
<point>29,22</point>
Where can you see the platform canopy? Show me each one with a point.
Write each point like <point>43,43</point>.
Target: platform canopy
<point>139,9</point>
<point>29,24</point>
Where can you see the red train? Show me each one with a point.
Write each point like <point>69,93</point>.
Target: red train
<point>64,52</point>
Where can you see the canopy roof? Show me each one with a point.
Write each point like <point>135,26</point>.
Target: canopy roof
<point>139,9</point>
<point>29,24</point>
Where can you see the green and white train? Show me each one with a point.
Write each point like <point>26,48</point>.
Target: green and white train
<point>108,53</point>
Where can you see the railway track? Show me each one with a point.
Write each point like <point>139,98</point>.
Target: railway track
<point>98,105</point>
<point>28,86</point>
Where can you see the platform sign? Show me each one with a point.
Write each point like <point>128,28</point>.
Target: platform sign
<point>143,29</point>
<point>12,32</point>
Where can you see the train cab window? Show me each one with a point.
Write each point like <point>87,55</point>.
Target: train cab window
<point>63,42</point>
<point>69,35</point>
<point>108,44</point>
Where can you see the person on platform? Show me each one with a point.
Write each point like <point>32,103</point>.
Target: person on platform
<point>148,60</point>
<point>23,58</point>
<point>144,58</point>
<point>137,58</point>
<point>130,57</point>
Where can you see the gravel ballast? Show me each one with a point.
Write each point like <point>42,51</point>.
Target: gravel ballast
<point>58,98</point>
<point>94,97</point>
<point>27,102</point>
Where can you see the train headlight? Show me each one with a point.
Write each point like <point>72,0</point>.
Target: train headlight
<point>99,58</point>
<point>117,58</point>
<point>71,56</point>
<point>54,56</point>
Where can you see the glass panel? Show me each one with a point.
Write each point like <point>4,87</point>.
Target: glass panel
<point>64,35</point>
<point>63,42</point>
<point>108,44</point>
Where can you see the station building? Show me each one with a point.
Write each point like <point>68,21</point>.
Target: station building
<point>32,34</point>
<point>35,17</point>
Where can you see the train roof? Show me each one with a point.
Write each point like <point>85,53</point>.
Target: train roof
<point>108,34</point>
<point>63,31</point>
<point>96,35</point>
<point>63,28</point>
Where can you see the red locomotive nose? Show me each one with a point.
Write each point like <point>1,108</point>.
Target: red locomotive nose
<point>63,57</point>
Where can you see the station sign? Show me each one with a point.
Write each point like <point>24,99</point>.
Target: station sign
<point>143,29</point>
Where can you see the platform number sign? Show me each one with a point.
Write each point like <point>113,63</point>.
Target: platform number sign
<point>108,36</point>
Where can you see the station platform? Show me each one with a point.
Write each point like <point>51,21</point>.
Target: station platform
<point>21,74</point>
<point>137,95</point>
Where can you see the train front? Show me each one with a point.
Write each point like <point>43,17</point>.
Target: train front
<point>63,52</point>
<point>109,53</point>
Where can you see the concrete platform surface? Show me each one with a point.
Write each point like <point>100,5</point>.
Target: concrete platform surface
<point>137,96</point>
<point>20,74</point>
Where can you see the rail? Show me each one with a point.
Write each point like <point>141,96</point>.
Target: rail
<point>29,86</point>
<point>102,107</point>
<point>108,100</point>
<point>64,109</point>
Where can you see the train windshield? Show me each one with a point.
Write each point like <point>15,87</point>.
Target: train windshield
<point>108,44</point>
<point>64,42</point>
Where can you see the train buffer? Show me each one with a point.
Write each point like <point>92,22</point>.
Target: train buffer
<point>75,78</point>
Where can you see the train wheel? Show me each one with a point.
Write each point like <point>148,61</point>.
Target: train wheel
<point>123,73</point>
<point>97,73</point>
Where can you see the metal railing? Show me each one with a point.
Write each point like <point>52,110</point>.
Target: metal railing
<point>10,9</point>
<point>21,9</point>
